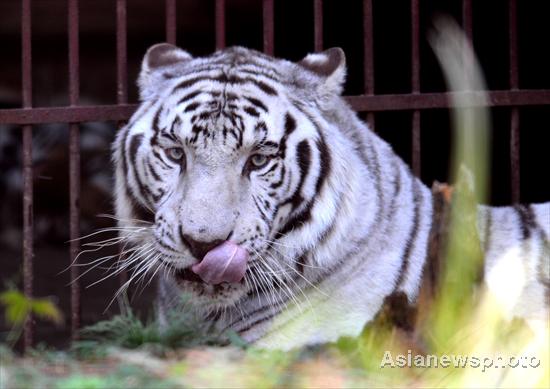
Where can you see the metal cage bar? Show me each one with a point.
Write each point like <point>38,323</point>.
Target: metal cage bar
<point>514,113</point>
<point>28,214</point>
<point>268,11</point>
<point>122,78</point>
<point>220,24</point>
<point>368,56</point>
<point>74,164</point>
<point>171,21</point>
<point>361,103</point>
<point>415,85</point>
<point>121,52</point>
<point>318,25</point>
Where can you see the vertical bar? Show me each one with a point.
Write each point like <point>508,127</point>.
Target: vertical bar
<point>368,54</point>
<point>171,21</point>
<point>415,84</point>
<point>467,25</point>
<point>121,50</point>
<point>220,24</point>
<point>467,21</point>
<point>122,75</point>
<point>74,164</point>
<point>318,25</point>
<point>269,28</point>
<point>28,214</point>
<point>514,115</point>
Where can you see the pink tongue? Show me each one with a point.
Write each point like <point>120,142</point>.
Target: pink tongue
<point>224,263</point>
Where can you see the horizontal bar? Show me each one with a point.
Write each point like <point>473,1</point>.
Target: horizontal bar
<point>443,100</point>
<point>403,102</point>
<point>90,113</point>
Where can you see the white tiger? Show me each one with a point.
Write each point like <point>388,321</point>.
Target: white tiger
<point>249,183</point>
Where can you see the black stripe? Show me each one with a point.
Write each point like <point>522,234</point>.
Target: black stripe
<point>304,161</point>
<point>528,226</point>
<point>230,79</point>
<point>135,143</point>
<point>303,156</point>
<point>373,165</point>
<point>488,225</point>
<point>156,177</point>
<point>123,140</point>
<point>262,213</point>
<point>527,220</point>
<point>262,85</point>
<point>257,103</point>
<point>156,120</point>
<point>325,162</point>
<point>413,234</point>
<point>290,126</point>
<point>189,96</point>
<point>191,107</point>
<point>277,184</point>
<point>251,111</point>
<point>272,168</point>
<point>190,81</point>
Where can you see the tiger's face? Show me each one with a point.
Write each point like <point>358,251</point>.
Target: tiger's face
<point>222,162</point>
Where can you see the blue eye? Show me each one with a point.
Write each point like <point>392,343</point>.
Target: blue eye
<point>175,153</point>
<point>258,160</point>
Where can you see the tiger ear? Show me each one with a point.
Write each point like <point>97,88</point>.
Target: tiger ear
<point>156,65</point>
<point>330,66</point>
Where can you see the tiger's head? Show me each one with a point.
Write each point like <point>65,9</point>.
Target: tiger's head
<point>222,173</point>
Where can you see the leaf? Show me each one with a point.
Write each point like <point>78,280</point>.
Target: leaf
<point>17,305</point>
<point>46,309</point>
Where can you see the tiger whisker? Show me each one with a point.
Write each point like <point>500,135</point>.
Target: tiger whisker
<point>291,258</point>
<point>294,282</point>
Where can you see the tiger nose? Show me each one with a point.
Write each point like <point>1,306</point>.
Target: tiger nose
<point>199,248</point>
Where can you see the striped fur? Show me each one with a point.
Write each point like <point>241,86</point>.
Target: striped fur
<point>334,221</point>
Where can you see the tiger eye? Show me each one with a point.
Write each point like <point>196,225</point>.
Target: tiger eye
<point>175,153</point>
<point>258,160</point>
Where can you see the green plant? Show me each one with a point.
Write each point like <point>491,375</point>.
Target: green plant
<point>128,330</point>
<point>19,308</point>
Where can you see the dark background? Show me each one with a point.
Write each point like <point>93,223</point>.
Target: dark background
<point>343,26</point>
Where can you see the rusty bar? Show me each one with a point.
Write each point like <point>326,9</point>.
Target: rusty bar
<point>220,24</point>
<point>513,36</point>
<point>121,52</point>
<point>171,21</point>
<point>415,85</point>
<point>467,20</point>
<point>467,25</point>
<point>67,114</point>
<point>500,98</point>
<point>368,55</point>
<point>514,114</point>
<point>363,103</point>
<point>268,10</point>
<point>28,214</point>
<point>74,164</point>
<point>122,74</point>
<point>318,25</point>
